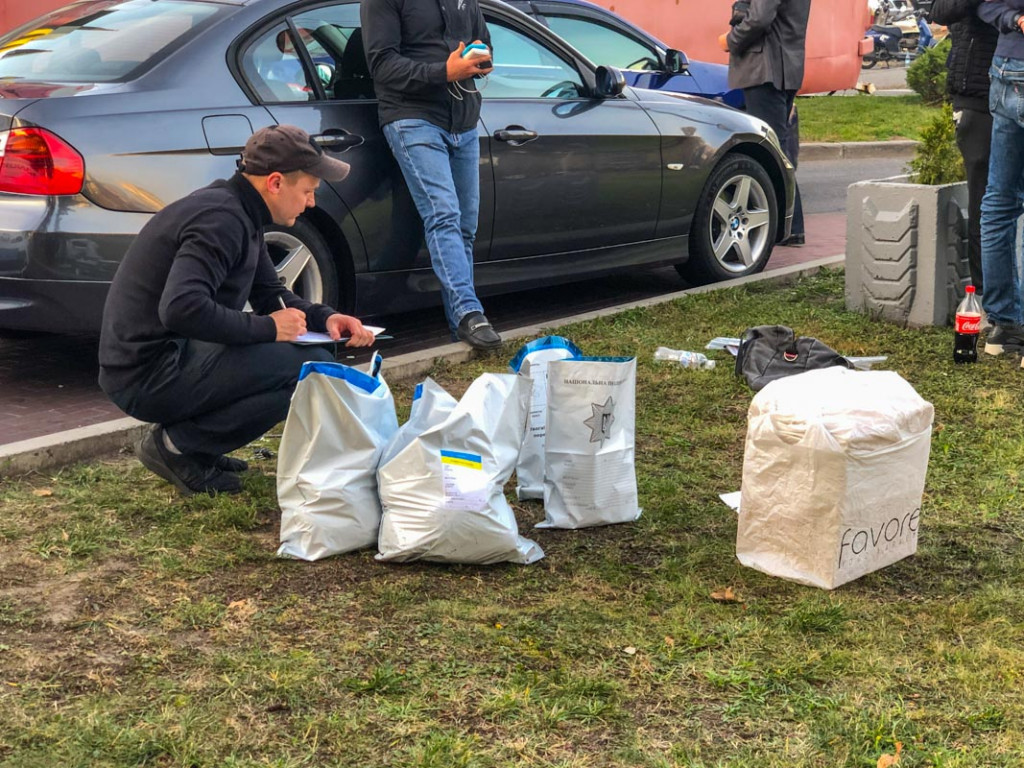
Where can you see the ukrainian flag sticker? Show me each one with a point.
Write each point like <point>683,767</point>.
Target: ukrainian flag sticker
<point>456,459</point>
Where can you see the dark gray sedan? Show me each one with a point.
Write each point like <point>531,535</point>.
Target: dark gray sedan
<point>110,109</point>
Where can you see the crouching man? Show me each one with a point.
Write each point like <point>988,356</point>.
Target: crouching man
<point>176,346</point>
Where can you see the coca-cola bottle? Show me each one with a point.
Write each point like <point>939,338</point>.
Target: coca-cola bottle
<point>968,327</point>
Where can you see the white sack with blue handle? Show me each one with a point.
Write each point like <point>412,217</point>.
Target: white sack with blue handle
<point>532,361</point>
<point>431,405</point>
<point>443,493</point>
<point>339,422</point>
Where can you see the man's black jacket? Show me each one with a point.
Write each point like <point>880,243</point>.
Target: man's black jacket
<point>407,45</point>
<point>188,275</point>
<point>974,42</point>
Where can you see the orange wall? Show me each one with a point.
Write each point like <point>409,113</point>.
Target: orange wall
<point>833,32</point>
<point>693,26</point>
<point>16,12</point>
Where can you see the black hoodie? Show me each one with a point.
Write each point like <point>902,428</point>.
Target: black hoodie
<point>407,46</point>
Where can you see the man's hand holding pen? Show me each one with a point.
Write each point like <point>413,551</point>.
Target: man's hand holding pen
<point>290,322</point>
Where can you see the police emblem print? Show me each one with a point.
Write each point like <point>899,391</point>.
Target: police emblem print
<point>601,420</point>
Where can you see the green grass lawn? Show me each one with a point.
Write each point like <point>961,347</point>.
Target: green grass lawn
<point>140,629</point>
<point>862,117</point>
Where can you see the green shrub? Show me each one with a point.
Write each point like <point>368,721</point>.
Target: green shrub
<point>938,160</point>
<point>927,75</point>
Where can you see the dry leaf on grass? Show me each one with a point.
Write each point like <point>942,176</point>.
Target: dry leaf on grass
<point>629,650</point>
<point>725,596</point>
<point>43,492</point>
<point>887,760</point>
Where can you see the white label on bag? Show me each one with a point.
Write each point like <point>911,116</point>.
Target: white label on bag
<point>465,483</point>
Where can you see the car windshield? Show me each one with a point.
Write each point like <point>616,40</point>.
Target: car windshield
<point>100,40</point>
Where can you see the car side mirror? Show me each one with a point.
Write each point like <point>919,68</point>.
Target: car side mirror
<point>676,62</point>
<point>610,82</point>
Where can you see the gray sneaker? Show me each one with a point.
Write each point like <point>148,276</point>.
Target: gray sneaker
<point>1004,338</point>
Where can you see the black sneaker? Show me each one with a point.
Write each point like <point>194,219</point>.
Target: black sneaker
<point>185,472</point>
<point>1004,338</point>
<point>476,330</point>
<point>223,463</point>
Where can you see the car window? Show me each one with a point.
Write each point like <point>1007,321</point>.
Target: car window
<point>273,68</point>
<point>102,40</point>
<point>525,69</point>
<point>603,44</point>
<point>332,38</point>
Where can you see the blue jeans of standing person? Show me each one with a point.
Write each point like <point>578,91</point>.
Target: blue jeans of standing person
<point>1001,206</point>
<point>442,171</point>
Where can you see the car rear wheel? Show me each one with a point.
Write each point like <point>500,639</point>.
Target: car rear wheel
<point>734,226</point>
<point>304,263</point>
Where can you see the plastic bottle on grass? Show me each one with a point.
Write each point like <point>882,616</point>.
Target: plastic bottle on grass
<point>968,328</point>
<point>696,360</point>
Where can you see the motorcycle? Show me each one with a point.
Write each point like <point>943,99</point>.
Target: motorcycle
<point>904,37</point>
<point>886,42</point>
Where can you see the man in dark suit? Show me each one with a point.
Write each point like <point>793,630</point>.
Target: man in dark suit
<point>766,60</point>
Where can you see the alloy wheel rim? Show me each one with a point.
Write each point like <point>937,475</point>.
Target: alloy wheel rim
<point>740,224</point>
<point>295,266</point>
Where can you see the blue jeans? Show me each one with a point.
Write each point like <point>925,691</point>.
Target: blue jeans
<point>442,171</point>
<point>1001,206</point>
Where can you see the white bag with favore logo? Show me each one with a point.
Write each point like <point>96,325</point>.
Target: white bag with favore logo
<point>339,421</point>
<point>833,475</point>
<point>589,450</point>
<point>532,361</point>
<point>443,493</point>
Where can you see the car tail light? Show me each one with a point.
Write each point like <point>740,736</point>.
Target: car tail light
<point>34,161</point>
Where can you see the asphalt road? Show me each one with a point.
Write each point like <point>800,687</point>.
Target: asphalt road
<point>823,183</point>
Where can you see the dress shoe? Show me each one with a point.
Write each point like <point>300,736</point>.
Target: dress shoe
<point>477,331</point>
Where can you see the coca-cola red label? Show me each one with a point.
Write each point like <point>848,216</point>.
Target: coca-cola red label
<point>968,323</point>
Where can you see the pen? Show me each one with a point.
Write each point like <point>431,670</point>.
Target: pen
<point>280,300</point>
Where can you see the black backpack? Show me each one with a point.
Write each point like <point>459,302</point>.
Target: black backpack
<point>770,352</point>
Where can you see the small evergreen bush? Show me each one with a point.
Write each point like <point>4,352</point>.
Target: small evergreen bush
<point>927,75</point>
<point>938,160</point>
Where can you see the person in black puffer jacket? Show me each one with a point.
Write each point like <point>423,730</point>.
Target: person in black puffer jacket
<point>974,42</point>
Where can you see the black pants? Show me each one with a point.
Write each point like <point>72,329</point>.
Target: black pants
<point>974,138</point>
<point>212,398</point>
<point>775,107</point>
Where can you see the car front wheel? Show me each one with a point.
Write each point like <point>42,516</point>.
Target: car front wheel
<point>734,226</point>
<point>304,263</point>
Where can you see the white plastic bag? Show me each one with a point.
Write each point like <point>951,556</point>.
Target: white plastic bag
<point>443,493</point>
<point>589,452</point>
<point>532,361</point>
<point>833,475</point>
<point>339,422</point>
<point>431,405</point>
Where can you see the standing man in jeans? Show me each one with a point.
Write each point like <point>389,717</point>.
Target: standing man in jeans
<point>1001,206</point>
<point>766,60</point>
<point>429,107</point>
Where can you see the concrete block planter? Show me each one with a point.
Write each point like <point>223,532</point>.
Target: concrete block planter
<point>906,250</point>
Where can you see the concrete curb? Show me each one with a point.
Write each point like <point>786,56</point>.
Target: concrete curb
<point>57,450</point>
<point>857,149</point>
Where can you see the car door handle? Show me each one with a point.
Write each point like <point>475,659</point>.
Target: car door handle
<point>338,140</point>
<point>515,135</point>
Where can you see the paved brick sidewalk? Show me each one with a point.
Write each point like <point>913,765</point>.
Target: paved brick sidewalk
<point>48,383</point>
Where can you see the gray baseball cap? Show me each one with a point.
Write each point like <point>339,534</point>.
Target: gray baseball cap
<point>287,148</point>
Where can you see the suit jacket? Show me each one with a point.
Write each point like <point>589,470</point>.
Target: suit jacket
<point>767,46</point>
